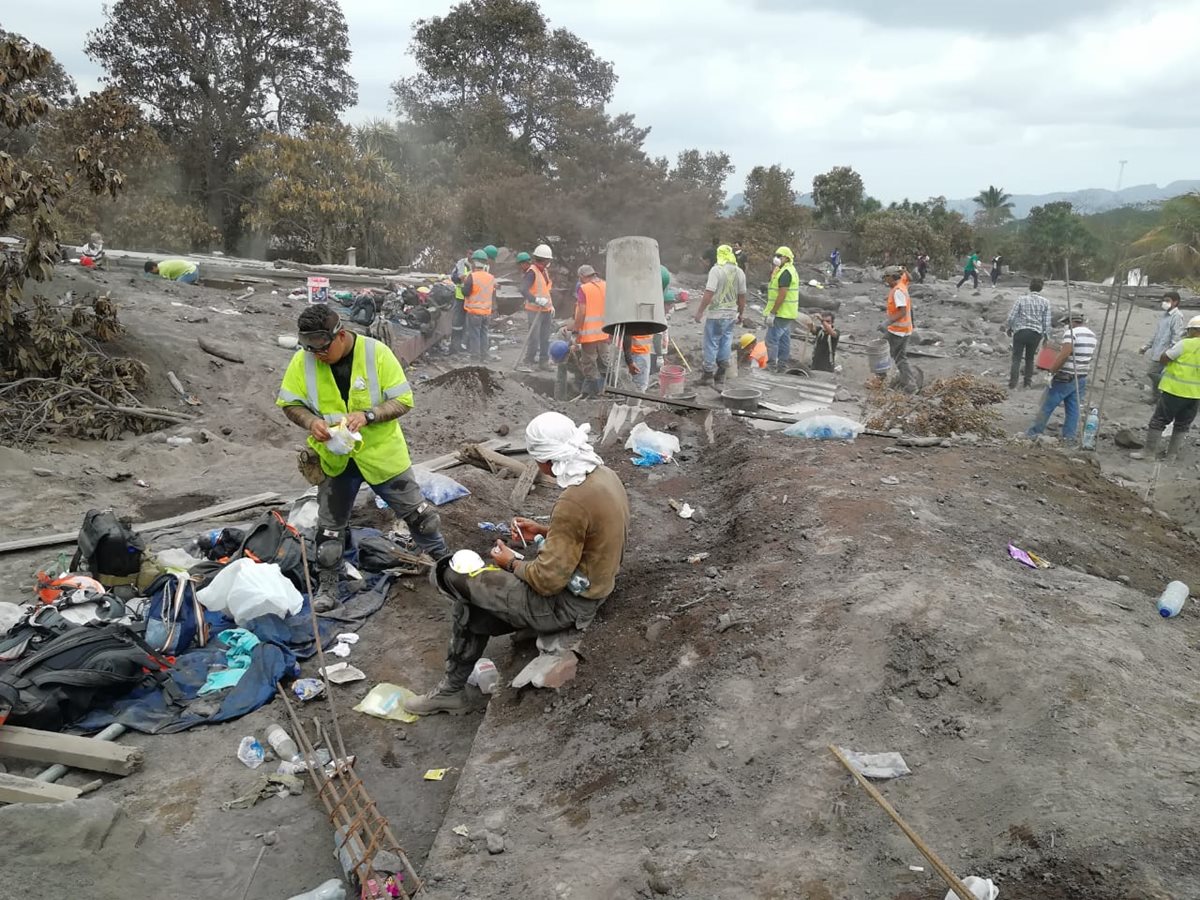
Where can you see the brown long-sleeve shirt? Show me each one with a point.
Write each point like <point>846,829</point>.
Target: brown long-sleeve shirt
<point>588,528</point>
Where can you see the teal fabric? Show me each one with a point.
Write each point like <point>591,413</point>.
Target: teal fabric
<point>240,646</point>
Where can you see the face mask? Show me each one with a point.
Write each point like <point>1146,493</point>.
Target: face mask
<point>1166,305</point>
<point>776,260</point>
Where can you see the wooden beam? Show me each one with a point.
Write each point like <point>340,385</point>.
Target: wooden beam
<point>15,789</point>
<point>220,509</point>
<point>69,750</point>
<point>481,456</point>
<point>450,460</point>
<point>524,485</point>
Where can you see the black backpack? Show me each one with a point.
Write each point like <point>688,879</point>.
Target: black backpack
<point>87,668</point>
<point>273,540</point>
<point>108,545</point>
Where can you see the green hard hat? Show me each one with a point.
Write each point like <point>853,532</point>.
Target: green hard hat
<point>479,256</point>
<point>491,251</point>
<point>524,257</point>
<point>666,277</point>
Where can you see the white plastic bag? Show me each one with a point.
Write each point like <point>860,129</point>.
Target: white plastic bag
<point>246,590</point>
<point>983,888</point>
<point>825,428</point>
<point>643,438</point>
<point>342,440</point>
<point>437,487</point>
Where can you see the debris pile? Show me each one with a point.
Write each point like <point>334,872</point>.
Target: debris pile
<point>949,406</point>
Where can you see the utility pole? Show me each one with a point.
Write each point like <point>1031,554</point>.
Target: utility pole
<point>1121,172</point>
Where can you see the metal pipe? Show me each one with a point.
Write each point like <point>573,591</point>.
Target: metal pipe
<point>55,772</point>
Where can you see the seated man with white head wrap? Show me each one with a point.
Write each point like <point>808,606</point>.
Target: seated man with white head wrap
<point>575,569</point>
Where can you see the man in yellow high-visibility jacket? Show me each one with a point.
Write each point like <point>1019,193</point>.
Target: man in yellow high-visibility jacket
<point>1179,394</point>
<point>341,377</point>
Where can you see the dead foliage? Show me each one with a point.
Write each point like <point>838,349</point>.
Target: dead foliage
<point>957,405</point>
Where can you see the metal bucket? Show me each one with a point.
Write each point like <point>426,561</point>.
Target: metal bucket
<point>879,356</point>
<point>745,399</point>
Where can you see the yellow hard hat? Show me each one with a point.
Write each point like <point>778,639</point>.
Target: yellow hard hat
<point>785,252</point>
<point>745,341</point>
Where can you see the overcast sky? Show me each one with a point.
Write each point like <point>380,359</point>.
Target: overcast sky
<point>924,98</point>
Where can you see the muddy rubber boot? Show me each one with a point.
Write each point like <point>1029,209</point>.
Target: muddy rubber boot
<point>1150,451</point>
<point>706,379</point>
<point>327,591</point>
<point>719,378</point>
<point>446,699</point>
<point>1175,445</point>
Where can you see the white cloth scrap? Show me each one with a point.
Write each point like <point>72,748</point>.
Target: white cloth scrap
<point>554,438</point>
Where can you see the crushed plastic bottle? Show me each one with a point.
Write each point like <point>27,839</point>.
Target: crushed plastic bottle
<point>484,676</point>
<point>1170,604</point>
<point>251,752</point>
<point>1090,427</point>
<point>578,583</point>
<point>333,889</point>
<point>281,742</point>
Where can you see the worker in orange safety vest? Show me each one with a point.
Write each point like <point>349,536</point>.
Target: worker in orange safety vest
<point>589,331</point>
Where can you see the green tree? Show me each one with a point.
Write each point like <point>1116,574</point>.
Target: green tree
<point>704,172</point>
<point>494,72</point>
<point>1172,248</point>
<point>995,206</point>
<point>322,190</point>
<point>894,236</point>
<point>1053,233</point>
<point>838,196</point>
<point>215,74</point>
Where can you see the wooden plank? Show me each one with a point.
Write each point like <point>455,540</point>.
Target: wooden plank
<point>524,485</point>
<point>478,455</point>
<point>220,509</point>
<point>15,789</point>
<point>69,750</point>
<point>450,460</point>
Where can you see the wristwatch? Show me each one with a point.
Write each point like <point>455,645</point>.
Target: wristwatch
<point>371,416</point>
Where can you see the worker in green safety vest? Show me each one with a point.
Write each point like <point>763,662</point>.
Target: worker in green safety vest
<point>783,305</point>
<point>1179,394</point>
<point>347,391</point>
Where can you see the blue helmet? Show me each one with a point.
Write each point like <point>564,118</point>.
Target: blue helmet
<point>559,350</point>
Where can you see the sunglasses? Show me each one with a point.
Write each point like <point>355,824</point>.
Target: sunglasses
<point>317,341</point>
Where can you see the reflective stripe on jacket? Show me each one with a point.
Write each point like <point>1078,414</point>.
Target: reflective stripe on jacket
<point>591,329</point>
<point>542,285</point>
<point>483,289</point>
<point>758,354</point>
<point>375,376</point>
<point>641,344</point>
<point>1181,377</point>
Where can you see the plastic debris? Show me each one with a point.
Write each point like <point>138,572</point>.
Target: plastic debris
<point>461,830</point>
<point>982,888</point>
<point>686,511</point>
<point>308,688</point>
<point>386,701</point>
<point>644,440</point>
<point>647,459</point>
<point>825,428</point>
<point>877,765</point>
<point>1027,558</point>
<point>342,673</point>
<point>251,752</point>
<point>435,774</point>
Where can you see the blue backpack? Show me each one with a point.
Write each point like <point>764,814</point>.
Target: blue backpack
<point>175,620</point>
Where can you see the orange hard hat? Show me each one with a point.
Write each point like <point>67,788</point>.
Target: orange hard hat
<point>51,589</point>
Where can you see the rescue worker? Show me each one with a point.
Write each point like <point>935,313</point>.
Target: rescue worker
<point>561,589</point>
<point>181,270</point>
<point>1167,334</point>
<point>752,351</point>
<point>1068,377</point>
<point>339,376</point>
<point>783,305</point>
<point>492,253</point>
<point>458,322</point>
<point>536,285</point>
<point>637,349</point>
<point>725,302</point>
<point>589,331</point>
<point>899,325</point>
<point>1178,394</point>
<point>479,290</point>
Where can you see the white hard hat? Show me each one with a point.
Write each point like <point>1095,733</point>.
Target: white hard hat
<point>542,251</point>
<point>1194,322</point>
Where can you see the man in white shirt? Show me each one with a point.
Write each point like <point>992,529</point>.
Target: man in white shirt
<point>1068,377</point>
<point>1168,333</point>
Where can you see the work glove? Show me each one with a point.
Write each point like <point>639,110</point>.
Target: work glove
<point>769,321</point>
<point>542,302</point>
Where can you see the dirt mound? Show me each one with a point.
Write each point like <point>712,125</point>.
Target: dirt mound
<point>689,757</point>
<point>471,382</point>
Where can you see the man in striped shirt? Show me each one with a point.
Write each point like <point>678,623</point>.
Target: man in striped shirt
<point>1029,327</point>
<point>1069,375</point>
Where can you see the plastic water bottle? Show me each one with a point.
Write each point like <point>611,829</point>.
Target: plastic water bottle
<point>333,889</point>
<point>1172,599</point>
<point>578,583</point>
<point>1090,427</point>
<point>485,676</point>
<point>281,742</point>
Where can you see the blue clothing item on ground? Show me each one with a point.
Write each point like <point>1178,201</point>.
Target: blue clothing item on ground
<point>779,344</point>
<point>1061,392</point>
<point>718,342</point>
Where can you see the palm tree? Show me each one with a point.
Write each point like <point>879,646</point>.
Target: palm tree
<point>1172,248</point>
<point>995,206</point>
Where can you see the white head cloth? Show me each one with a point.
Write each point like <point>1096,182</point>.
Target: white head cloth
<point>553,438</point>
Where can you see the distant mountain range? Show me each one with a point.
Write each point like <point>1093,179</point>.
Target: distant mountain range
<point>1090,200</point>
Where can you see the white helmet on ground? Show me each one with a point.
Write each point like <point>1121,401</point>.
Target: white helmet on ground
<point>542,251</point>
